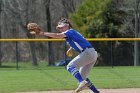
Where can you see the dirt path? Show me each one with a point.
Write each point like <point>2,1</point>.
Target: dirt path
<point>131,90</point>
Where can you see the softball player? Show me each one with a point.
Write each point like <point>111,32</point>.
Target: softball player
<point>86,58</point>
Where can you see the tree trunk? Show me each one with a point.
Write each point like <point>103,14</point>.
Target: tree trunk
<point>32,44</point>
<point>23,11</point>
<point>50,44</point>
<point>33,53</point>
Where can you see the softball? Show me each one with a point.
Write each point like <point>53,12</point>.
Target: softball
<point>32,32</point>
<point>69,54</point>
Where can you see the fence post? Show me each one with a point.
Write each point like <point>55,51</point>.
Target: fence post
<point>136,49</point>
<point>17,59</point>
<point>112,63</point>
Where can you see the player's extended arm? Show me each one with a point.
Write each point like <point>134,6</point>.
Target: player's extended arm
<point>54,35</point>
<point>35,29</point>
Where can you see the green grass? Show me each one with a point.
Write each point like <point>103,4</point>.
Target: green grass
<point>58,78</point>
<point>117,77</point>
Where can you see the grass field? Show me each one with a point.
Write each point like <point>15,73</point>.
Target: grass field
<point>57,78</point>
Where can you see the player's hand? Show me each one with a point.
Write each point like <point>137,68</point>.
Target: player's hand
<point>69,53</point>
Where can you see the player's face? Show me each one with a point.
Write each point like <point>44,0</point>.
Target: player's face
<point>63,29</point>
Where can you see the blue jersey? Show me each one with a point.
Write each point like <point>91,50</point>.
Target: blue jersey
<point>76,40</point>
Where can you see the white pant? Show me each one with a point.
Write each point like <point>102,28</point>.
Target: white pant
<point>84,61</point>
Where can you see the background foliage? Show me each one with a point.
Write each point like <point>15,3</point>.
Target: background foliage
<point>108,19</point>
<point>92,18</point>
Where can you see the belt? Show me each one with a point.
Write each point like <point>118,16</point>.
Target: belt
<point>85,49</point>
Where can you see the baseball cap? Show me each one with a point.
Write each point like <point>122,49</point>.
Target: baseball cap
<point>63,22</point>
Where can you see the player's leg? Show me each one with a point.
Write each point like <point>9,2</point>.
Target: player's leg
<point>84,73</point>
<point>81,60</point>
<point>91,86</point>
<point>73,66</point>
<point>75,72</point>
<point>77,62</point>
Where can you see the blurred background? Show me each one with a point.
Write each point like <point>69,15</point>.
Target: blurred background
<point>92,18</point>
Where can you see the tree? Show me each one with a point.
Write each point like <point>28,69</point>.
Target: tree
<point>90,19</point>
<point>50,44</point>
<point>32,44</point>
<point>44,12</point>
<point>62,8</point>
<point>107,18</point>
<point>13,10</point>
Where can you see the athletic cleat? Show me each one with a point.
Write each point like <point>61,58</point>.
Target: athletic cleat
<point>81,86</point>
